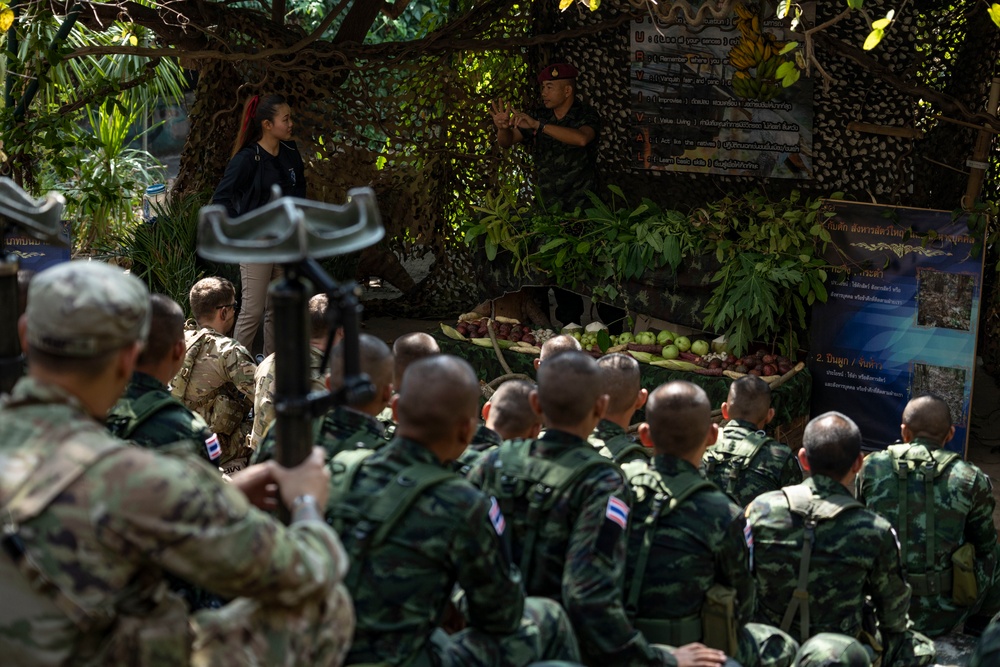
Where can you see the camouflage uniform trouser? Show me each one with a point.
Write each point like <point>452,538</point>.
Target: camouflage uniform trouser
<point>828,649</point>
<point>545,634</point>
<point>907,649</point>
<point>245,633</point>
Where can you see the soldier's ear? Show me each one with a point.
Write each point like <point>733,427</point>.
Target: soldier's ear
<point>178,351</point>
<point>725,411</point>
<point>486,412</point>
<point>536,405</point>
<point>770,416</point>
<point>951,434</point>
<point>712,436</point>
<point>22,331</point>
<point>644,435</point>
<point>640,400</point>
<point>803,460</point>
<point>601,406</point>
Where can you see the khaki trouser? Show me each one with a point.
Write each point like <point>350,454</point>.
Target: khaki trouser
<point>256,305</point>
<point>244,633</point>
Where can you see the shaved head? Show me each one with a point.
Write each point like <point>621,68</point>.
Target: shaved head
<point>410,347</point>
<point>510,409</point>
<point>559,344</point>
<point>376,361</point>
<point>679,417</point>
<point>832,443</point>
<point>166,327</point>
<point>568,386</point>
<point>928,416</point>
<point>622,381</point>
<point>749,399</point>
<point>438,394</point>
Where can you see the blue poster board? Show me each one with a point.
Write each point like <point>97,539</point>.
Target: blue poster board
<point>36,255</point>
<point>901,319</point>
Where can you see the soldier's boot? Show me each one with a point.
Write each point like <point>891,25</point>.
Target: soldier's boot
<point>545,633</point>
<point>245,633</point>
<point>828,649</point>
<point>908,649</point>
<point>766,646</point>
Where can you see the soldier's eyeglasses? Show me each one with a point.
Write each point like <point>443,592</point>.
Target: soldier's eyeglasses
<point>234,306</point>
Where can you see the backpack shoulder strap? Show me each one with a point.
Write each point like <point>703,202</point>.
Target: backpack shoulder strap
<point>622,447</point>
<point>143,408</point>
<point>390,505</point>
<point>668,496</point>
<point>343,469</point>
<point>183,377</point>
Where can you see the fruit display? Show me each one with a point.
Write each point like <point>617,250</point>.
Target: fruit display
<point>757,51</point>
<point>664,349</point>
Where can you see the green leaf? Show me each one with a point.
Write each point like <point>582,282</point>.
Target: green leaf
<point>603,340</point>
<point>582,247</point>
<point>491,250</point>
<point>615,190</point>
<point>783,6</point>
<point>874,37</point>
<point>788,48</point>
<point>994,12</point>
<point>554,243</point>
<point>784,69</point>
<point>855,4</point>
<point>791,78</point>
<point>883,23</point>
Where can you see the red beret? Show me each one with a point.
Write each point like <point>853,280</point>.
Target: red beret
<point>557,71</point>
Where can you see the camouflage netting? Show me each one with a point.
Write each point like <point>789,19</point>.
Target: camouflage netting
<point>411,119</point>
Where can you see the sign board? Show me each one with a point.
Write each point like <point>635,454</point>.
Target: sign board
<point>901,319</point>
<point>35,255</point>
<point>707,100</point>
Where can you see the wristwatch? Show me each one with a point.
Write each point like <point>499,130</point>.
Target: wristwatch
<point>304,499</point>
<point>541,126</point>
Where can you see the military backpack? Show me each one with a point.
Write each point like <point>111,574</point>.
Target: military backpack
<point>125,418</point>
<point>726,462</point>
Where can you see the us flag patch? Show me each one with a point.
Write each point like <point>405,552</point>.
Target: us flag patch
<point>214,448</point>
<point>617,511</point>
<point>496,516</point>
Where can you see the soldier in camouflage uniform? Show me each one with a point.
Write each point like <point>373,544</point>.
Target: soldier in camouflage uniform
<point>622,381</point>
<point>405,350</point>
<point>147,414</point>
<point>351,427</point>
<point>567,510</point>
<point>263,398</point>
<point>216,379</point>
<point>746,462</point>
<point>414,529</point>
<point>689,543</point>
<point>987,653</point>
<point>931,529</point>
<point>507,415</point>
<point>91,525</point>
<point>818,553</point>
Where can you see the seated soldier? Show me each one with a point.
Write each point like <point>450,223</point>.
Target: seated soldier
<point>263,398</point>
<point>216,377</point>
<point>622,379</point>
<point>689,543</point>
<point>147,414</point>
<point>351,426</point>
<point>830,650</point>
<point>556,345</point>
<point>746,462</point>
<point>987,653</point>
<point>414,529</point>
<point>942,509</point>
<point>405,350</point>
<point>508,416</point>
<point>93,526</point>
<point>819,553</point>
<point>567,510</point>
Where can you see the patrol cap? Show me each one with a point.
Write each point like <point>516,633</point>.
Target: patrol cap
<point>557,71</point>
<point>83,309</point>
<point>828,649</point>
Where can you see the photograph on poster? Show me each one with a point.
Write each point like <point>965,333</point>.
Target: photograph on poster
<point>944,299</point>
<point>948,383</point>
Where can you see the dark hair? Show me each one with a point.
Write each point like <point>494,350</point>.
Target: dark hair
<point>749,399</point>
<point>622,381</point>
<point>832,442</point>
<point>928,416</point>
<point>166,327</point>
<point>569,384</point>
<point>409,348</point>
<point>510,408</point>
<point>208,295</point>
<point>679,415</point>
<point>256,110</point>
<point>318,325</point>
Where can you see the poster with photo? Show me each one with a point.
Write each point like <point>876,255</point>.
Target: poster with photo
<point>901,319</point>
<point>706,99</point>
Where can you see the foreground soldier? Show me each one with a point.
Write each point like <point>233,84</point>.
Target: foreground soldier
<point>746,462</point>
<point>567,507</point>
<point>507,416</point>
<point>622,383</point>
<point>147,414</point>
<point>942,509</point>
<point>92,525</point>
<point>263,397</point>
<point>406,349</point>
<point>688,577</point>
<point>216,378</point>
<point>414,529</point>
<point>818,552</point>
<point>351,427</point>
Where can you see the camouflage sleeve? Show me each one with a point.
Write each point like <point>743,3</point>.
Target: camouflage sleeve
<point>732,564</point>
<point>240,368</point>
<point>263,407</point>
<point>492,587</point>
<point>592,119</point>
<point>594,571</point>
<point>479,473</point>
<point>979,528</point>
<point>890,592</point>
<point>791,472</point>
<point>178,513</point>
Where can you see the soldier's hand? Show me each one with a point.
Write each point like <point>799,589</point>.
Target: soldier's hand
<point>311,477</point>
<point>524,121</point>
<point>698,655</point>
<point>501,112</point>
<point>258,484</point>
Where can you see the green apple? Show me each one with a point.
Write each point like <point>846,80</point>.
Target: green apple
<point>664,337</point>
<point>626,338</point>
<point>645,338</point>
<point>682,343</point>
<point>670,352</point>
<point>700,348</point>
<point>576,334</point>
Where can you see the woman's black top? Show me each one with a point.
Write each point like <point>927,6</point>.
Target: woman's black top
<point>249,176</point>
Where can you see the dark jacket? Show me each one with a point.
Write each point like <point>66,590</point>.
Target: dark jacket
<point>247,182</point>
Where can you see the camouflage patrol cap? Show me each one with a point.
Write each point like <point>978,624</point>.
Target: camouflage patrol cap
<point>828,649</point>
<point>557,71</point>
<point>83,309</point>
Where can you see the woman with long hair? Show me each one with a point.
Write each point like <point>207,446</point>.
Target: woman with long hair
<point>263,155</point>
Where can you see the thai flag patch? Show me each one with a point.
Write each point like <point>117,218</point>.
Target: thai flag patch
<point>496,516</point>
<point>214,448</point>
<point>748,537</point>
<point>617,511</point>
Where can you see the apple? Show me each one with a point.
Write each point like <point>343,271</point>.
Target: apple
<point>682,343</point>
<point>645,338</point>
<point>664,337</point>
<point>700,348</point>
<point>670,352</point>
<point>626,338</point>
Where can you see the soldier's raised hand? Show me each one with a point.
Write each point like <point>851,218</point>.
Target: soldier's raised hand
<point>502,112</point>
<point>311,477</point>
<point>523,121</point>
